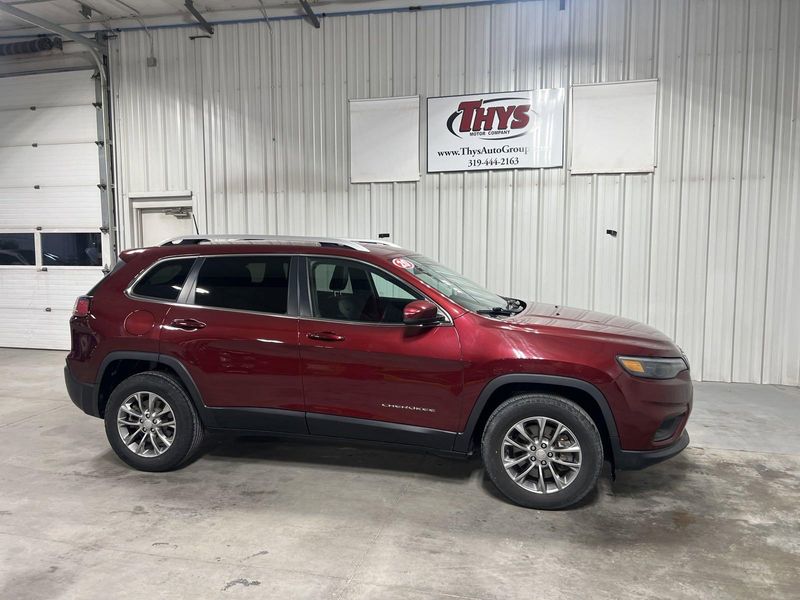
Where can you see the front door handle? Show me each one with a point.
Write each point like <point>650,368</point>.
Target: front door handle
<point>326,336</point>
<point>187,324</point>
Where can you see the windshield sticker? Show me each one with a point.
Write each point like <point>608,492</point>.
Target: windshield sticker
<point>403,263</point>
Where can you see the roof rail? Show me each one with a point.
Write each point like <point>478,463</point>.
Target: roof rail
<point>379,242</point>
<point>184,240</point>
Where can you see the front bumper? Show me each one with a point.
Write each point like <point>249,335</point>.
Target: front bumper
<point>631,460</point>
<point>81,394</point>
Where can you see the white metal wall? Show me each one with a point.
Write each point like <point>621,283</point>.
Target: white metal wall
<point>254,122</point>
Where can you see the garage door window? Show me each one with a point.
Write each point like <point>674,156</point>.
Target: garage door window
<point>17,249</point>
<point>71,250</point>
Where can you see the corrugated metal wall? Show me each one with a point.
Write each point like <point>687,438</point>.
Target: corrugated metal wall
<point>254,122</point>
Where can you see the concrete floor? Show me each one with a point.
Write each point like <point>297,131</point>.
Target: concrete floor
<point>271,519</point>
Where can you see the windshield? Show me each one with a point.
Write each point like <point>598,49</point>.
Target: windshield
<point>447,282</point>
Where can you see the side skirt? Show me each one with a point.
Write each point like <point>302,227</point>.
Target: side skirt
<point>379,431</point>
<point>265,420</point>
<point>298,424</point>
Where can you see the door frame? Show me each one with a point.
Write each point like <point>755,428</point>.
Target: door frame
<point>139,202</point>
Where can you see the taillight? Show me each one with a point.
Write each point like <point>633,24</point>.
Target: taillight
<point>83,306</point>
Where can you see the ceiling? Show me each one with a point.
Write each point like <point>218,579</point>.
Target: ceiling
<point>124,14</point>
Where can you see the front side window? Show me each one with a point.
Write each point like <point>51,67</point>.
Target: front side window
<point>165,281</point>
<point>254,283</point>
<point>348,291</point>
<point>17,249</point>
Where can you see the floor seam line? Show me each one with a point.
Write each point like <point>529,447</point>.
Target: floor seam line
<point>718,449</point>
<point>352,577</point>
<point>91,547</point>
<point>44,412</point>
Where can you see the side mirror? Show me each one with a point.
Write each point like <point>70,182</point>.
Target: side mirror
<point>421,312</point>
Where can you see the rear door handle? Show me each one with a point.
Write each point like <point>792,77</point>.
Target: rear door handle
<point>187,324</point>
<point>326,336</point>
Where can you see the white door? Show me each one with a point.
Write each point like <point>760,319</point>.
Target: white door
<point>51,246</point>
<point>159,224</point>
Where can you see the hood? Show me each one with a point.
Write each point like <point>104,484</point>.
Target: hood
<point>541,315</point>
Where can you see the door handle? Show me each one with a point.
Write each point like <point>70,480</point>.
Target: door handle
<point>326,336</point>
<point>187,324</point>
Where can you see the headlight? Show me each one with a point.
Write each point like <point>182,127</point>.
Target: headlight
<point>652,368</point>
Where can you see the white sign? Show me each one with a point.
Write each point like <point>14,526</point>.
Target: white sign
<point>507,130</point>
<point>384,139</point>
<point>614,127</point>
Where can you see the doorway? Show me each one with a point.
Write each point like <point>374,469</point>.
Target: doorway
<point>157,219</point>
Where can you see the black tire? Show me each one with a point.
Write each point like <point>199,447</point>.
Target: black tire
<point>518,408</point>
<point>188,428</point>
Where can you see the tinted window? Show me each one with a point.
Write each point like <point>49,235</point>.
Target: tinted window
<point>388,289</point>
<point>349,291</point>
<point>257,283</point>
<point>17,249</point>
<point>71,249</point>
<point>323,278</point>
<point>165,280</point>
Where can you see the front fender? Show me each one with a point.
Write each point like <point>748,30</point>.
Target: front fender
<point>464,439</point>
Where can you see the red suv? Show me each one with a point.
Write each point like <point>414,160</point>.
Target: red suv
<point>364,340</point>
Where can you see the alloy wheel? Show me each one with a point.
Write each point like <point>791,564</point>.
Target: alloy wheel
<point>146,424</point>
<point>541,455</point>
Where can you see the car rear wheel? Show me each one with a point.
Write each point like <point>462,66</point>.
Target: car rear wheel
<point>151,423</point>
<point>542,451</point>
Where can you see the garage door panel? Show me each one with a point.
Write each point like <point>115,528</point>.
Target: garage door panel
<point>18,288</point>
<point>61,285</point>
<point>51,207</point>
<point>35,328</point>
<point>47,89</point>
<point>49,172</point>
<point>63,164</point>
<point>56,288</point>
<point>58,125</point>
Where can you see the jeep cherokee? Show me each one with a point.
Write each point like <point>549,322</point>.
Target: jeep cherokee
<point>365,340</point>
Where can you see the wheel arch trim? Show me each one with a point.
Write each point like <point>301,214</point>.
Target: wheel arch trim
<point>153,357</point>
<point>464,439</point>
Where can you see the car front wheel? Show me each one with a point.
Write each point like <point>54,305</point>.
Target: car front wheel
<point>542,451</point>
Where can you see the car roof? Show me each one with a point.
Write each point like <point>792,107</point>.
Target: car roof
<point>221,245</point>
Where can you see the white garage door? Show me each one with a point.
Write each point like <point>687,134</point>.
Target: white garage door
<point>51,247</point>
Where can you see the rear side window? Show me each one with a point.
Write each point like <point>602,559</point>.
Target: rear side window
<point>256,283</point>
<point>164,281</point>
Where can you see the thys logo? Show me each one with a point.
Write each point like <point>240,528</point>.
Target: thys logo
<point>499,118</point>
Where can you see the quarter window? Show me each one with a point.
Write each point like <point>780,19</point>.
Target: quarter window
<point>349,291</point>
<point>165,281</point>
<point>256,283</point>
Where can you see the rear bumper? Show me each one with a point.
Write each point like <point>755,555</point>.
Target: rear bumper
<point>81,394</point>
<point>631,460</point>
